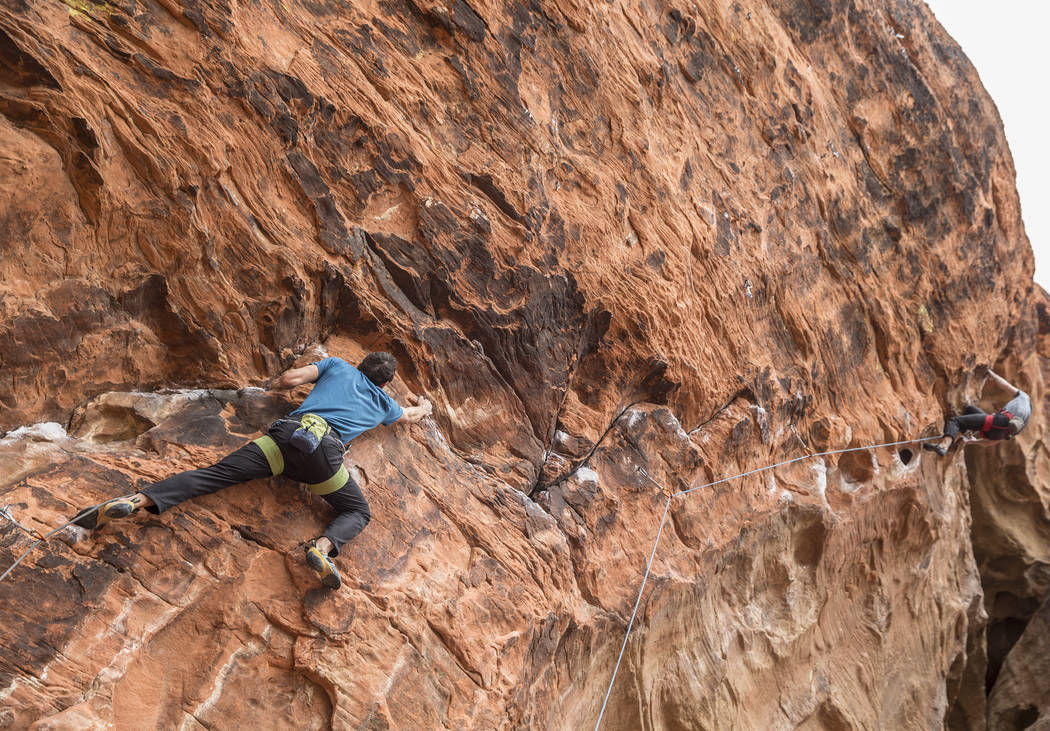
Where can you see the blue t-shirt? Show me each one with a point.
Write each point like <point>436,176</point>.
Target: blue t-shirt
<point>345,398</point>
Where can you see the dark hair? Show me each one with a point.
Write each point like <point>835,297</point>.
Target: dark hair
<point>379,367</point>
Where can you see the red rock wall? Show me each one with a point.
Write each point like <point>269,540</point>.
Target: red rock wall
<point>626,249</point>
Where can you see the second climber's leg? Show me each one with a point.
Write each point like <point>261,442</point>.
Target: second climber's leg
<point>972,419</point>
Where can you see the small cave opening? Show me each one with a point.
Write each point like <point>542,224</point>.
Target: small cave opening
<point>1001,635</point>
<point>1019,718</point>
<point>1026,717</point>
<point>905,455</point>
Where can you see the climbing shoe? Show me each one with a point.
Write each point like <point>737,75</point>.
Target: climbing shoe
<point>120,507</point>
<point>933,447</point>
<point>323,566</point>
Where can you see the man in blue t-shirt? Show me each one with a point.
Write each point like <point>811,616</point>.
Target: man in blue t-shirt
<point>306,446</point>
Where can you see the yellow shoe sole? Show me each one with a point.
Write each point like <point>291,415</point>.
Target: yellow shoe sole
<point>324,567</point>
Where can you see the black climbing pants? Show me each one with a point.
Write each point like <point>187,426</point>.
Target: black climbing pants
<point>972,419</point>
<point>250,463</point>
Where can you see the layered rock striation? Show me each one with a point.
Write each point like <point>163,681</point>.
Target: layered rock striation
<point>627,249</point>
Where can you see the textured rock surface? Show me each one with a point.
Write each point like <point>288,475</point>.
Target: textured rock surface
<point>626,248</point>
<point>1021,697</point>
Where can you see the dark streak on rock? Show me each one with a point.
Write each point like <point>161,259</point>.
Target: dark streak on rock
<point>487,185</point>
<point>468,20</point>
<point>332,232</point>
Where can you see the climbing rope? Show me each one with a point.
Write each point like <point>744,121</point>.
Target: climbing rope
<point>667,506</point>
<point>5,513</point>
<point>43,539</point>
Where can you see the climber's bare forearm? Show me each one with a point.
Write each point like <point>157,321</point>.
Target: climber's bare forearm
<point>295,377</point>
<point>1001,382</point>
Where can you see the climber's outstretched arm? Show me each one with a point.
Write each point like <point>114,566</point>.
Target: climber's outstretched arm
<point>1002,382</point>
<point>296,377</point>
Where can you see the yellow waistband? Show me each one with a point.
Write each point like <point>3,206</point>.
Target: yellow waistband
<point>276,461</point>
<point>333,483</point>
<point>273,453</point>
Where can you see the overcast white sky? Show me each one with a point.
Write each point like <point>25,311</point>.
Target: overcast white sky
<point>1007,44</point>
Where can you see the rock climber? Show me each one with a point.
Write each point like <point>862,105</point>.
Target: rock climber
<point>1003,424</point>
<point>307,446</point>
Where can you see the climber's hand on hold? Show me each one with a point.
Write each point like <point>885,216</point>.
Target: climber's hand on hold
<point>415,413</point>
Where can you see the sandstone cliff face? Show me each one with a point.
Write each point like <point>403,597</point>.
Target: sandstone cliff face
<point>626,248</point>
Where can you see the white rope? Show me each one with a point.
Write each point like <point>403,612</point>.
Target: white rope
<point>667,506</point>
<point>636,603</point>
<point>807,456</point>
